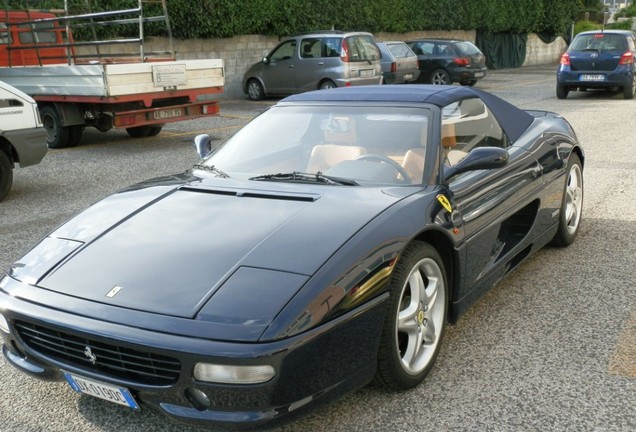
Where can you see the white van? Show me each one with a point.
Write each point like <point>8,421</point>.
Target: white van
<point>22,136</point>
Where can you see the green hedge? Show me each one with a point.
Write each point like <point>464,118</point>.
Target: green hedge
<point>226,18</point>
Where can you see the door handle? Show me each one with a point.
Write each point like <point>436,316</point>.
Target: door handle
<point>290,66</point>
<point>321,63</point>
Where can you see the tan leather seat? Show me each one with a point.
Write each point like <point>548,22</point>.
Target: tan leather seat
<point>413,164</point>
<point>324,156</point>
<point>339,146</point>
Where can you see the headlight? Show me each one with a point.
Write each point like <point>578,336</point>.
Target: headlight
<point>228,374</point>
<point>4,325</point>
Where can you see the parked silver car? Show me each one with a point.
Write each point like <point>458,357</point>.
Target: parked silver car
<point>313,61</point>
<point>399,63</point>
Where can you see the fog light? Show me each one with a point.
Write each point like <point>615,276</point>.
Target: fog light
<point>4,325</point>
<point>197,398</point>
<point>228,374</point>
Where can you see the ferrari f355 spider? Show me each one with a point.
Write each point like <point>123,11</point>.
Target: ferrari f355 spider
<point>326,244</point>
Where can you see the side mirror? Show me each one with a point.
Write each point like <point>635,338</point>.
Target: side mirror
<point>203,144</point>
<point>265,60</point>
<point>478,159</point>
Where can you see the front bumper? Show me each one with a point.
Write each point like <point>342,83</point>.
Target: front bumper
<point>314,366</point>
<point>29,144</point>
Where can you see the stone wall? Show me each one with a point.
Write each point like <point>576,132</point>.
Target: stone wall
<point>240,52</point>
<point>539,52</point>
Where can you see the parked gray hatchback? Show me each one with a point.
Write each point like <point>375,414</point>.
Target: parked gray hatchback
<point>314,61</point>
<point>399,63</point>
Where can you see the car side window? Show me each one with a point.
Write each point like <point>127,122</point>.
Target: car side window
<point>284,51</point>
<point>443,49</point>
<point>311,48</point>
<point>468,124</point>
<point>331,47</point>
<point>423,48</point>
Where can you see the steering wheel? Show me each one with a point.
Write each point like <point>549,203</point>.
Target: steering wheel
<point>387,160</point>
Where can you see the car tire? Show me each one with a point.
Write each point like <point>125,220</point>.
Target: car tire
<point>571,205</point>
<point>440,77</point>
<point>416,319</point>
<point>326,84</point>
<point>468,83</point>
<point>255,90</point>
<point>57,136</point>
<point>6,174</point>
<point>628,91</point>
<point>562,91</point>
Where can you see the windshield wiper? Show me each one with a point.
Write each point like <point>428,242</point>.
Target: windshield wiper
<point>212,169</point>
<point>301,177</point>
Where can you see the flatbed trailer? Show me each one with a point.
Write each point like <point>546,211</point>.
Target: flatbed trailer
<point>84,84</point>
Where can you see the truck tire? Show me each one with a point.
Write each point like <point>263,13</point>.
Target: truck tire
<point>56,134</point>
<point>156,129</point>
<point>6,174</point>
<point>75,135</point>
<point>140,131</point>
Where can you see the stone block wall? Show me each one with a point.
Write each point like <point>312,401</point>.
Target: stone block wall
<point>539,52</point>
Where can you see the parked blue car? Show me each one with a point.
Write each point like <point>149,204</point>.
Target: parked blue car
<point>599,59</point>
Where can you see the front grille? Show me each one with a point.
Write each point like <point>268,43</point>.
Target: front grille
<point>113,360</point>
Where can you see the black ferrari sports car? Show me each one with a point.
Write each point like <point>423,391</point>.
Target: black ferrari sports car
<point>326,244</point>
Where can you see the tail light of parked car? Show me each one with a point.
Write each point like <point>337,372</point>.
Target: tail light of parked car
<point>394,67</point>
<point>461,61</point>
<point>344,51</point>
<point>627,58</point>
<point>565,59</point>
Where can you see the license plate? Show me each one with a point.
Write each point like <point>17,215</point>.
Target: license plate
<point>408,76</point>
<point>167,113</point>
<point>479,74</point>
<point>592,77</point>
<point>111,393</point>
<point>367,73</point>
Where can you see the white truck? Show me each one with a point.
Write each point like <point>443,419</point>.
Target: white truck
<point>109,83</point>
<point>22,137</point>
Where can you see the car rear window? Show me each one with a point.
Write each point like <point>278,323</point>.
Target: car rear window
<point>40,33</point>
<point>467,48</point>
<point>362,48</point>
<point>399,50</point>
<point>599,42</point>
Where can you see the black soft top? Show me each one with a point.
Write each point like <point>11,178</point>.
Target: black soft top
<point>513,120</point>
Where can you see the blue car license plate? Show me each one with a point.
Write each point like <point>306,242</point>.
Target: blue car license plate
<point>592,77</point>
<point>111,393</point>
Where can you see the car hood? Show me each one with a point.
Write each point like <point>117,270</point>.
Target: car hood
<point>173,249</point>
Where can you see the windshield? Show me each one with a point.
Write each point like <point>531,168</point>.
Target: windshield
<point>361,144</point>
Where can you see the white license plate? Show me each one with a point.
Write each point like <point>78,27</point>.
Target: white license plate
<point>167,113</point>
<point>111,393</point>
<point>479,74</point>
<point>408,76</point>
<point>592,77</point>
<point>367,72</point>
